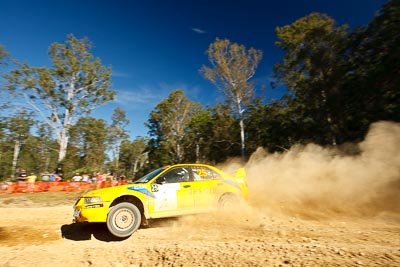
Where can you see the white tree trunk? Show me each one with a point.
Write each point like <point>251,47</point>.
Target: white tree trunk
<point>197,152</point>
<point>241,123</point>
<point>63,146</point>
<point>242,139</point>
<point>117,151</point>
<point>178,151</point>
<point>63,139</point>
<point>17,148</point>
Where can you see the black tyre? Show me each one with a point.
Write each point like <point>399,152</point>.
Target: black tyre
<point>123,219</point>
<point>228,202</point>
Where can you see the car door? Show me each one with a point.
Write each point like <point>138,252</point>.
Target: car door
<point>173,194</point>
<point>206,187</point>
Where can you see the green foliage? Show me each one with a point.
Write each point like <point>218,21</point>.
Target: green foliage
<point>3,55</point>
<point>133,158</point>
<point>88,145</point>
<point>45,149</point>
<point>4,60</point>
<point>61,95</point>
<point>213,136</point>
<point>168,126</point>
<point>19,148</point>
<point>372,71</point>
<point>232,68</point>
<point>338,83</point>
<point>314,50</point>
<point>117,134</point>
<point>199,137</point>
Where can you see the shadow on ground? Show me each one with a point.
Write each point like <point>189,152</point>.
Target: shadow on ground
<point>85,231</point>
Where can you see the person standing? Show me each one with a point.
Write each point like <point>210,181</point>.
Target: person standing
<point>22,176</point>
<point>59,174</point>
<point>45,177</point>
<point>31,182</point>
<point>77,177</point>
<point>99,180</point>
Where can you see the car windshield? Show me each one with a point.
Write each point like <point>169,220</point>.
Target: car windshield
<point>149,176</point>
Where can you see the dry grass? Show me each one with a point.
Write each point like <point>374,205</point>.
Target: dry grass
<point>44,199</point>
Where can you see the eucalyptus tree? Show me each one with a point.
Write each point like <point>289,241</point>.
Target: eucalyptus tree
<point>314,49</point>
<point>117,133</point>
<point>4,59</point>
<point>168,124</point>
<point>75,85</point>
<point>275,126</point>
<point>199,137</point>
<point>373,69</point>
<point>18,128</point>
<point>225,133</point>
<point>5,149</point>
<point>212,135</point>
<point>232,67</point>
<point>89,139</point>
<point>46,148</point>
<point>133,157</point>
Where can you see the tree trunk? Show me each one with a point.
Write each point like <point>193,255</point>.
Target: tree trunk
<point>329,118</point>
<point>65,125</point>
<point>197,152</point>
<point>63,145</point>
<point>117,151</point>
<point>46,166</point>
<point>178,152</point>
<point>242,139</point>
<point>17,148</point>
<point>240,110</point>
<point>135,168</point>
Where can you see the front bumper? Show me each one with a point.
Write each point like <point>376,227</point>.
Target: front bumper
<point>93,212</point>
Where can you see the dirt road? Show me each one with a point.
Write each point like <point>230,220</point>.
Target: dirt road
<point>44,236</point>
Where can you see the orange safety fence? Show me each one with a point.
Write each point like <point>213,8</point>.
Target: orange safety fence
<point>26,187</point>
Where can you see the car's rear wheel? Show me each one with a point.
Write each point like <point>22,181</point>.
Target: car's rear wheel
<point>123,219</point>
<point>228,202</point>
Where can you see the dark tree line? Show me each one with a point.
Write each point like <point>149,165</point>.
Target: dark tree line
<point>338,82</point>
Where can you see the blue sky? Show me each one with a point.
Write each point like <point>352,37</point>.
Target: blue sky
<point>155,47</point>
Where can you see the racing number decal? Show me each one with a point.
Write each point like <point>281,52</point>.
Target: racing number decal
<point>202,172</point>
<point>154,187</point>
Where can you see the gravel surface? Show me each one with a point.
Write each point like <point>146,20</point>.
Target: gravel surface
<point>44,236</point>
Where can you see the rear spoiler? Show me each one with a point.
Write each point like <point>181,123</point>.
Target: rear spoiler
<point>241,173</point>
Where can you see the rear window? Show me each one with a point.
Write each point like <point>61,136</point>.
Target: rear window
<point>203,173</point>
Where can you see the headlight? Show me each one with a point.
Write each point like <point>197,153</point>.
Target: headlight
<point>89,200</point>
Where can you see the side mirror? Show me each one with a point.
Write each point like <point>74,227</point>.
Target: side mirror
<point>160,180</point>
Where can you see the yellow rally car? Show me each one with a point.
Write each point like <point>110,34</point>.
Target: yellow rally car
<point>165,192</point>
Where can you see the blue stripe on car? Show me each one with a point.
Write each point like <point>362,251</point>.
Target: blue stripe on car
<point>232,183</point>
<point>141,190</point>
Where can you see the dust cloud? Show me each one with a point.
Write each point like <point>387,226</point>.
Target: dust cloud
<point>318,182</point>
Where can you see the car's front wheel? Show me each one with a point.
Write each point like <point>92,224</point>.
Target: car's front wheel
<point>123,219</point>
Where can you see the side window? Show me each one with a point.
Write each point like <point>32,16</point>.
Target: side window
<point>176,175</point>
<point>201,173</point>
<point>216,175</point>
